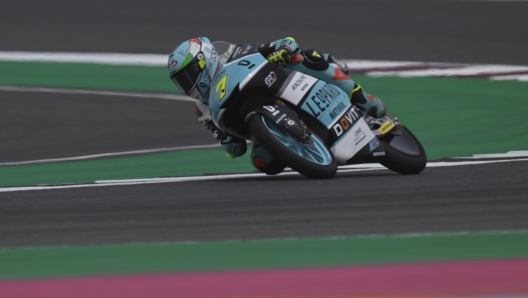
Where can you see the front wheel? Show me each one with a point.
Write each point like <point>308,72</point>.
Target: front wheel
<point>312,160</point>
<point>404,154</point>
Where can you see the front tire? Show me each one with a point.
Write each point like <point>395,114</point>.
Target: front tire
<point>405,156</point>
<point>316,163</point>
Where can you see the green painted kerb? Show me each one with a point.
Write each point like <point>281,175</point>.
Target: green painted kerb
<point>181,163</point>
<point>25,263</point>
<point>87,76</point>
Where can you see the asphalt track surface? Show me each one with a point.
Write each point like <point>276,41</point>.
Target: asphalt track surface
<point>51,125</point>
<point>414,30</point>
<point>471,198</point>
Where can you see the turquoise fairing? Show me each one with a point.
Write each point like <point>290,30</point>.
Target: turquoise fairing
<point>236,74</point>
<point>325,102</point>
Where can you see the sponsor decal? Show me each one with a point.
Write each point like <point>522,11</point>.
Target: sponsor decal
<point>386,127</point>
<point>172,64</point>
<point>341,106</point>
<point>374,144</point>
<point>345,122</point>
<point>270,79</point>
<point>298,83</point>
<point>359,135</point>
<point>280,118</point>
<point>291,122</point>
<point>322,99</point>
<point>237,51</point>
<point>247,49</point>
<point>357,132</point>
<point>378,153</point>
<point>297,87</point>
<point>371,97</point>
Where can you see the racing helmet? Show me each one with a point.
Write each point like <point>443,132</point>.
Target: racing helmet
<point>192,66</point>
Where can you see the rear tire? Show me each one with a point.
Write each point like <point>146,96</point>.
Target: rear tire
<point>267,134</point>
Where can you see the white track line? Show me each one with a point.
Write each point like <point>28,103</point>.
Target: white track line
<point>125,182</point>
<point>459,71</point>
<point>98,92</point>
<point>386,68</point>
<point>96,58</point>
<point>74,158</point>
<point>500,155</point>
<point>522,78</point>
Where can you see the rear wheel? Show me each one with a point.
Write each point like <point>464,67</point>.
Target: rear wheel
<point>312,159</point>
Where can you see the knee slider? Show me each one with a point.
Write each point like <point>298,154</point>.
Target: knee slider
<point>314,60</point>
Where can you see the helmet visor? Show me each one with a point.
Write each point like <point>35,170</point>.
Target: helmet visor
<point>187,78</point>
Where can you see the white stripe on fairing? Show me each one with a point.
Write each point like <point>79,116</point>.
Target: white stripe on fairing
<point>98,92</point>
<point>351,168</point>
<point>459,71</point>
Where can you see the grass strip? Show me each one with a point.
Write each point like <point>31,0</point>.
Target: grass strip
<point>25,263</point>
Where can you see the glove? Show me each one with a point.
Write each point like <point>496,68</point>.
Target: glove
<point>234,146</point>
<point>281,57</point>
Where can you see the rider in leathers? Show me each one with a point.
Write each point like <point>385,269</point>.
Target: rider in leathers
<point>186,69</point>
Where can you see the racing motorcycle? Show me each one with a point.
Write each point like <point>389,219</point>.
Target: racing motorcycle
<point>303,122</point>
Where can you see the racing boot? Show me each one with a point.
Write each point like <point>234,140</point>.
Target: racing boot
<point>264,162</point>
<point>369,104</point>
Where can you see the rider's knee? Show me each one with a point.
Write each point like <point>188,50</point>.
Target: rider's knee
<point>264,162</point>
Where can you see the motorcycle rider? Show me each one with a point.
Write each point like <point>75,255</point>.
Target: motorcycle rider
<point>194,63</point>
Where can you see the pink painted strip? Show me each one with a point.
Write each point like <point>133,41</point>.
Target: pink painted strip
<point>428,279</point>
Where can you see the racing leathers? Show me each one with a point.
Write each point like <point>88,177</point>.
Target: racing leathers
<point>285,52</point>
